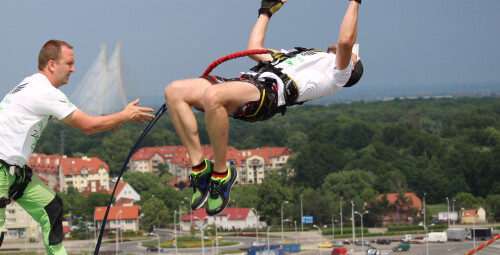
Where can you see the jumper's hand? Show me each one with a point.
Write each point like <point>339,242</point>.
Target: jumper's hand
<point>269,7</point>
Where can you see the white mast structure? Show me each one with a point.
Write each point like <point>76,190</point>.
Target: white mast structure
<point>101,89</point>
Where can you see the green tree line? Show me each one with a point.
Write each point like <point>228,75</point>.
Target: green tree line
<point>440,147</point>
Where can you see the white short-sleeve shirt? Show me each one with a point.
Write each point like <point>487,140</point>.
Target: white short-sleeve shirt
<point>25,113</point>
<point>315,74</point>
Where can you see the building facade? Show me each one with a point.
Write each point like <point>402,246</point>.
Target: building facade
<point>253,165</point>
<point>20,225</point>
<point>84,174</point>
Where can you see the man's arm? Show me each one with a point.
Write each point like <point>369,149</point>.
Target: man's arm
<point>258,34</point>
<point>89,124</point>
<point>347,35</point>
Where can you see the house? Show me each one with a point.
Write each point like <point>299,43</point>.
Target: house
<point>477,215</point>
<point>19,224</point>
<point>401,208</point>
<point>85,174</point>
<point>253,165</point>
<point>123,218</point>
<point>124,194</point>
<point>231,219</point>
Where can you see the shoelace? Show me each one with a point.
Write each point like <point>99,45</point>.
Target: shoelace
<point>215,189</point>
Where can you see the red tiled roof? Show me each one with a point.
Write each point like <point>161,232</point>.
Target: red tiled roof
<point>470,213</point>
<point>74,166</point>
<point>121,185</point>
<point>128,212</point>
<point>415,201</point>
<point>123,201</point>
<point>41,163</point>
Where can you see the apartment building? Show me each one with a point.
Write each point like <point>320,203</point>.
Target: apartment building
<point>85,174</point>
<point>253,165</point>
<point>20,225</point>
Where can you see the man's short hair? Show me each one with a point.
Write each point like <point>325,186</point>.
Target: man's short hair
<point>355,74</point>
<point>51,50</point>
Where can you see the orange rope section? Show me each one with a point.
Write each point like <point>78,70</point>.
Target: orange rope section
<point>483,245</point>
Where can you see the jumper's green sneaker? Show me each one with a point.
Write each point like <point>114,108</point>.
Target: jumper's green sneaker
<point>200,182</point>
<point>219,191</point>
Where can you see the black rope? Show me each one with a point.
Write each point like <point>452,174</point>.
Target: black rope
<point>158,114</point>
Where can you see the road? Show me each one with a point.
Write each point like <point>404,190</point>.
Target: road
<point>308,241</point>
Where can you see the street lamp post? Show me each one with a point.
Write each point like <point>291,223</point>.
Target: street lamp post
<point>301,214</point>
<point>159,247</point>
<point>117,246</point>
<point>448,214</point>
<point>333,228</point>
<point>454,212</point>
<point>362,236</point>
<point>282,232</point>
<point>201,224</point>
<point>426,237</point>
<point>268,239</point>
<point>319,229</point>
<point>256,226</point>
<point>237,217</point>
<point>341,221</point>
<point>95,226</point>
<point>175,232</point>
<point>352,219</point>
<point>212,243</point>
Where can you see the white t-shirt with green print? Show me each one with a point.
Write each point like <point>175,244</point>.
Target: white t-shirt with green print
<point>24,114</point>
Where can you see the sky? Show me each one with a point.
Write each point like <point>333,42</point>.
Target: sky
<point>403,44</point>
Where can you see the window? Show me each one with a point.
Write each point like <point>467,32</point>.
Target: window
<point>11,212</point>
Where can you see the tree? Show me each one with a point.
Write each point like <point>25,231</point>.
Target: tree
<point>141,181</point>
<point>348,184</point>
<point>155,213</point>
<point>317,160</point>
<point>271,195</point>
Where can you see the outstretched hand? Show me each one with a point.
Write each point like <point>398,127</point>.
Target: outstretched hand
<point>138,114</point>
<point>269,7</point>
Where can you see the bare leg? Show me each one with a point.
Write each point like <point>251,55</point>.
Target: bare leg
<point>219,101</point>
<point>180,96</point>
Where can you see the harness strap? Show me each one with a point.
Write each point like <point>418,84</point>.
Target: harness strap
<point>22,177</point>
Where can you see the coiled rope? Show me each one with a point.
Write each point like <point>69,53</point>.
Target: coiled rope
<point>158,114</point>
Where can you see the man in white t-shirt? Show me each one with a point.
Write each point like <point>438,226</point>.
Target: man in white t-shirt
<point>281,79</point>
<point>24,113</point>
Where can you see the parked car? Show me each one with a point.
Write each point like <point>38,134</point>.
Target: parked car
<point>325,245</point>
<point>405,238</point>
<point>362,243</point>
<point>257,244</point>
<point>384,241</point>
<point>338,244</point>
<point>401,247</point>
<point>152,248</point>
<point>373,252</point>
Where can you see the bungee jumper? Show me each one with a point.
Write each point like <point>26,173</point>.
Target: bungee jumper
<point>24,113</point>
<point>281,79</point>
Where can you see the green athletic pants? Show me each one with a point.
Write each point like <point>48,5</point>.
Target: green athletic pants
<point>42,204</point>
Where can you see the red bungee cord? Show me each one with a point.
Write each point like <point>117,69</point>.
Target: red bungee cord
<point>233,56</point>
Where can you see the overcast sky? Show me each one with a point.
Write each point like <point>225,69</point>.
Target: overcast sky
<point>402,43</point>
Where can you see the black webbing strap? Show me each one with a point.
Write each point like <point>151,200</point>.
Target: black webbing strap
<point>158,114</point>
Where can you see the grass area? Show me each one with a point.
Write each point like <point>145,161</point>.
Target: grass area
<point>435,209</point>
<point>187,242</point>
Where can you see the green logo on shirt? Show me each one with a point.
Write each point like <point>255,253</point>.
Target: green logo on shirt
<point>36,135</point>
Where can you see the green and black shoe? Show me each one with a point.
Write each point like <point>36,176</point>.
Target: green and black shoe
<point>219,191</point>
<point>200,182</point>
